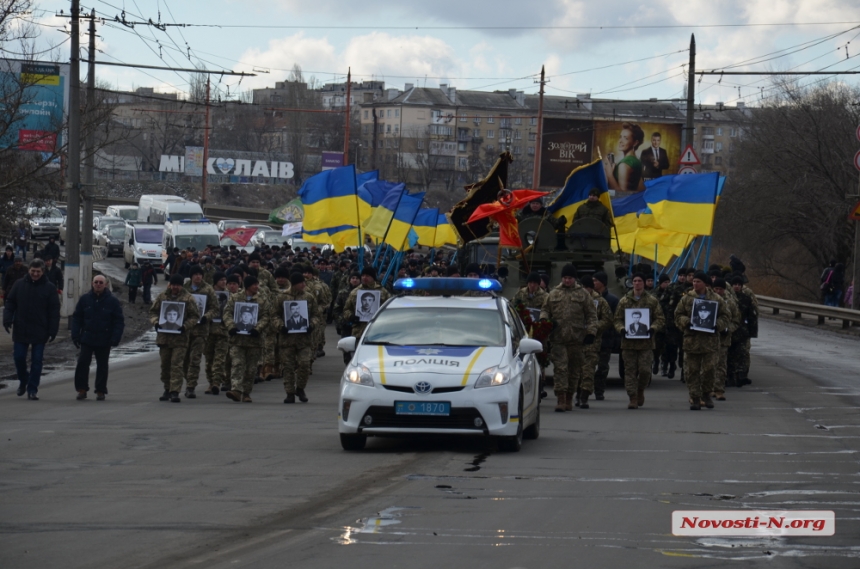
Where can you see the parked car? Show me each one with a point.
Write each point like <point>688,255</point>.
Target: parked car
<point>127,212</point>
<point>112,237</point>
<point>43,221</point>
<point>270,238</point>
<point>226,224</point>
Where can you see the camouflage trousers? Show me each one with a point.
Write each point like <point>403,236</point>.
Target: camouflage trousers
<point>567,366</point>
<point>602,370</point>
<point>699,374</point>
<point>720,363</point>
<point>244,368</point>
<point>297,366</point>
<point>267,355</point>
<point>172,362</point>
<point>590,357</point>
<point>318,335</point>
<point>191,365</point>
<point>739,358</point>
<point>637,370</point>
<point>216,353</point>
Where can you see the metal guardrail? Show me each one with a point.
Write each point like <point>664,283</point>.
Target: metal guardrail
<point>849,317</point>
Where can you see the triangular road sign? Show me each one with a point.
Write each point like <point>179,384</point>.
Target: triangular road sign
<point>688,157</point>
<point>855,212</point>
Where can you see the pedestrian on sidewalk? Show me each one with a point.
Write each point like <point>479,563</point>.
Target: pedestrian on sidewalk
<point>32,312</point>
<point>148,278</point>
<point>21,237</point>
<point>12,274</point>
<point>97,326</point>
<point>132,281</point>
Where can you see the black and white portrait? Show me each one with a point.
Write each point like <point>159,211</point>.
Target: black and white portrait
<point>171,317</point>
<point>223,297</point>
<point>245,316</point>
<point>200,299</point>
<point>367,304</point>
<point>296,316</point>
<point>637,322</point>
<point>534,313</point>
<point>704,318</point>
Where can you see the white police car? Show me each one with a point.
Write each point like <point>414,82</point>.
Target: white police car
<point>441,364</point>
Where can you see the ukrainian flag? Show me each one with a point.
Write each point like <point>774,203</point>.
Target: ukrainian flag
<point>401,222</point>
<point>378,222</point>
<point>576,189</point>
<point>329,200</point>
<point>445,234</point>
<point>683,203</point>
<point>626,212</point>
<point>370,195</point>
<point>425,226</point>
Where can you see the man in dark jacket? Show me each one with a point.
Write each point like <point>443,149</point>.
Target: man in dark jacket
<point>97,326</point>
<point>51,250</point>
<point>13,274</point>
<point>149,277</point>
<point>54,274</point>
<point>608,340</point>
<point>33,312</point>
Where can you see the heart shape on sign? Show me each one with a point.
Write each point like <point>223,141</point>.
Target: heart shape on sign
<point>225,165</point>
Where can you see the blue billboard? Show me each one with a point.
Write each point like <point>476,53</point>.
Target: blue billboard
<point>33,101</point>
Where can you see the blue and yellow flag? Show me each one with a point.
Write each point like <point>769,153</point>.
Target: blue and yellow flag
<point>401,222</point>
<point>683,203</point>
<point>370,195</point>
<point>626,211</point>
<point>576,188</point>
<point>425,226</point>
<point>378,222</point>
<point>329,200</point>
<point>445,234</point>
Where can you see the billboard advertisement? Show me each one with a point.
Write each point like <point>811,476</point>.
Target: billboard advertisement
<point>632,152</point>
<point>331,160</point>
<point>34,96</point>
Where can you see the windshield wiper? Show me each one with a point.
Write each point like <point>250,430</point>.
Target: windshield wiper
<point>381,344</point>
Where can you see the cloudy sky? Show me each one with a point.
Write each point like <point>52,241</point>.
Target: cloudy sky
<point>613,49</point>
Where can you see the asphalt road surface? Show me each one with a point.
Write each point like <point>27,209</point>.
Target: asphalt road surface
<point>136,483</point>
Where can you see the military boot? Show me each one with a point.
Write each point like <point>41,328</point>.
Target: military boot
<point>300,393</point>
<point>634,402</point>
<point>174,397</point>
<point>165,396</point>
<point>655,367</point>
<point>664,369</point>
<point>291,398</point>
<point>583,399</point>
<point>709,403</point>
<point>671,373</point>
<point>640,398</point>
<point>576,399</point>
<point>189,393</point>
<point>234,395</point>
<point>561,404</point>
<point>568,401</point>
<point>215,390</point>
<point>246,398</point>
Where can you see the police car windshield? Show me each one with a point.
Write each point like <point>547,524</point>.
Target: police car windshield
<point>437,326</point>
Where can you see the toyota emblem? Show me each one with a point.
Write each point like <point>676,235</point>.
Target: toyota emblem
<point>423,387</point>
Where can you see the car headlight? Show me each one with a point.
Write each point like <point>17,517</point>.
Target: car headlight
<point>35,222</point>
<point>359,374</point>
<point>496,375</point>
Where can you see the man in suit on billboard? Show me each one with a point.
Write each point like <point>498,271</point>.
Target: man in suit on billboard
<point>654,159</point>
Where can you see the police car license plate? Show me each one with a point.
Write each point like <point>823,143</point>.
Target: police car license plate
<point>439,408</point>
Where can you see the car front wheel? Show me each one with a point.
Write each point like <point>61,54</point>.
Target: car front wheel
<point>514,443</point>
<point>352,442</point>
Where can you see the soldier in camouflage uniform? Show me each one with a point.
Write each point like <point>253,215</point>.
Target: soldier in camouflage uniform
<point>245,348</point>
<point>677,292</point>
<point>700,348</point>
<point>282,279</point>
<point>661,344</point>
<point>295,348</point>
<point>172,347</point>
<point>209,271</point>
<point>739,352</point>
<point>268,287</point>
<point>571,311</point>
<point>594,209</point>
<point>368,282</point>
<point>341,323</point>
<point>591,354</point>
<point>638,353</point>
<point>531,295</point>
<point>197,341</point>
<point>610,340</point>
<point>322,293</point>
<point>217,344</point>
<point>719,285</point>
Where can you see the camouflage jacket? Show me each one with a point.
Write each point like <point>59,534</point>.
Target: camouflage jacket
<point>340,304</point>
<point>267,280</point>
<point>208,274</point>
<point>189,320</point>
<point>696,342</point>
<point>339,281</point>
<point>604,318</point>
<point>748,318</point>
<point>664,297</point>
<point>734,318</point>
<point>349,316</point>
<point>572,313</point>
<point>212,307</point>
<point>594,210</point>
<point>748,291</point>
<point>535,300</point>
<point>298,339</point>
<point>658,320</point>
<point>264,313</point>
<point>218,328</point>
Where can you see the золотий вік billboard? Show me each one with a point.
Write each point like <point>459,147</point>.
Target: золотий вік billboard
<point>34,96</point>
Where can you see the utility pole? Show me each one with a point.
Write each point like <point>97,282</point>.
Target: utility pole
<point>345,160</point>
<point>204,181</point>
<point>687,135</point>
<point>72,276</point>
<point>539,135</point>
<point>89,163</point>
<point>855,302</point>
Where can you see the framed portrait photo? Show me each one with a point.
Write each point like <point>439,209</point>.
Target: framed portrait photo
<point>171,317</point>
<point>245,315</point>
<point>534,313</point>
<point>704,317</point>
<point>223,296</point>
<point>296,316</point>
<point>200,299</point>
<point>366,304</point>
<point>637,322</point>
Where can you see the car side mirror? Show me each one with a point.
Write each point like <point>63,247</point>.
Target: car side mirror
<point>530,346</point>
<point>347,344</point>
<point>131,241</point>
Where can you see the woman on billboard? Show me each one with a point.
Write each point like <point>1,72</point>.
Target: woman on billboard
<point>626,175</point>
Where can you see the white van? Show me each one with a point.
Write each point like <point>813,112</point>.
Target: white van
<point>187,234</point>
<point>142,243</point>
<point>127,212</point>
<point>145,204</point>
<point>169,211</point>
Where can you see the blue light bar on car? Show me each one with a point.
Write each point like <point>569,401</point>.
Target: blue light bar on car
<point>431,284</point>
<point>201,220</point>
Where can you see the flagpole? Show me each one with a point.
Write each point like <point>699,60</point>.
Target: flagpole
<point>655,263</point>
<point>684,257</point>
<point>708,252</point>
<point>698,254</point>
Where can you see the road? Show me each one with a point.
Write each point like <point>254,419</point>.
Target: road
<point>136,483</point>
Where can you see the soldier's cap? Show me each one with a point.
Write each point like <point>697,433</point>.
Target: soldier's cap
<point>473,268</point>
<point>453,270</point>
<point>297,278</point>
<point>196,270</point>
<point>663,278</point>
<point>246,310</point>
<point>18,259</point>
<point>639,276</point>
<point>719,282</point>
<point>354,274</point>
<point>177,279</point>
<point>737,279</point>
<point>684,270</point>
<point>587,282</point>
<point>601,276</point>
<point>254,257</point>
<point>250,281</point>
<point>569,270</point>
<point>217,276</point>
<point>282,273</point>
<point>234,278</point>
<point>702,276</point>
<point>594,192</point>
<point>533,277</point>
<point>369,271</point>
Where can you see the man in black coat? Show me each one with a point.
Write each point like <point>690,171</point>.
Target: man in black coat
<point>32,311</point>
<point>51,250</point>
<point>97,326</point>
<point>610,337</point>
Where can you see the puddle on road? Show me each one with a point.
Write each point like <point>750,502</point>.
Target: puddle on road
<point>387,517</point>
